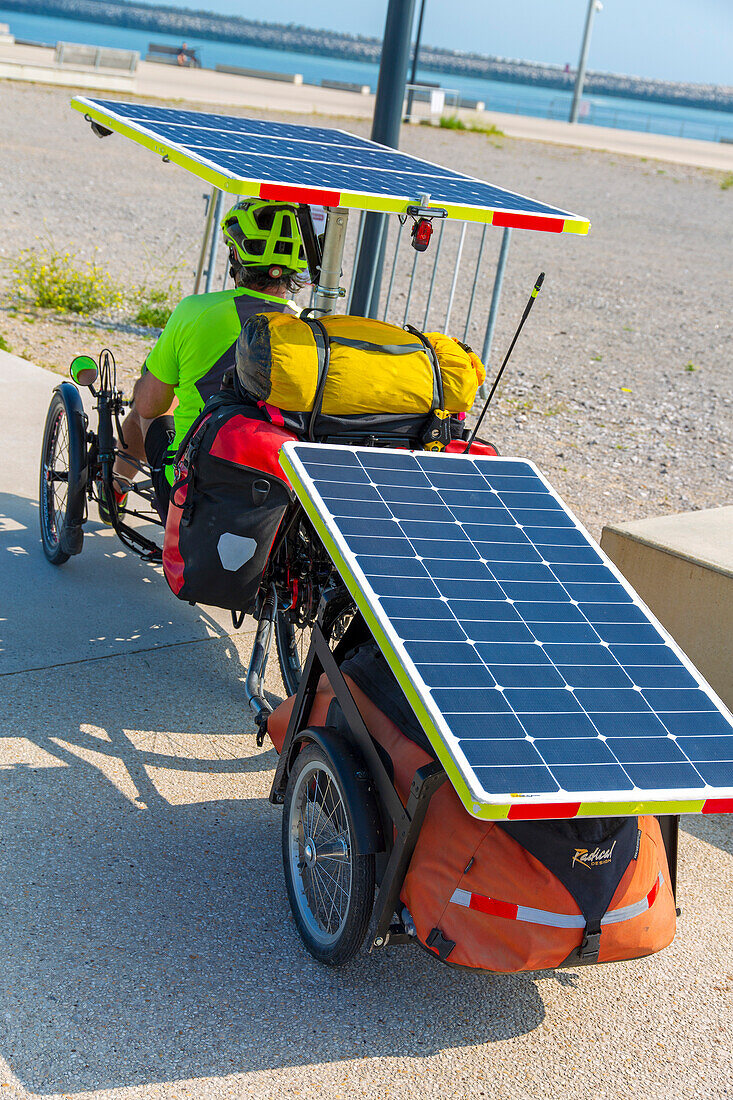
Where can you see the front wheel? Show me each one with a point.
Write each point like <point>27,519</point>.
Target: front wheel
<point>63,476</point>
<point>293,639</point>
<point>330,885</point>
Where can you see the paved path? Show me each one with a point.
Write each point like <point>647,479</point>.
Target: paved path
<point>204,86</point>
<point>147,948</point>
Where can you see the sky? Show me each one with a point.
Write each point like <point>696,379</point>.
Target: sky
<point>687,40</point>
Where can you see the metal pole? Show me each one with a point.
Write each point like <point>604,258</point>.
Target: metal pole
<point>214,242</point>
<point>454,284</point>
<point>394,269</point>
<point>204,243</point>
<point>374,296</point>
<point>432,277</point>
<point>475,283</point>
<point>386,130</point>
<point>410,288</point>
<point>328,290</point>
<point>593,6</point>
<point>495,297</point>
<point>416,54</point>
<point>357,246</point>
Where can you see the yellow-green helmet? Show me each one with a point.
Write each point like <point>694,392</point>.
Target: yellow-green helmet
<point>265,234</point>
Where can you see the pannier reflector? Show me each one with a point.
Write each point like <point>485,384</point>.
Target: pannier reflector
<point>235,550</point>
<point>510,911</point>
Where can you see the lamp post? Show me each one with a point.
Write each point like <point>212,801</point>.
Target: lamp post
<point>415,56</point>
<point>593,7</point>
<point>386,130</point>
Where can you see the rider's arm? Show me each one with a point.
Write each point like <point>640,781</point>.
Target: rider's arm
<point>155,389</point>
<point>152,397</point>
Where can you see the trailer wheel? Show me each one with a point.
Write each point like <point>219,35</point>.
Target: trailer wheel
<point>330,885</point>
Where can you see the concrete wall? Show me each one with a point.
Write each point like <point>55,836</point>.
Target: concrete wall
<point>682,567</point>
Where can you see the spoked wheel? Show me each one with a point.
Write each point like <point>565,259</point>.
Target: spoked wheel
<point>63,477</point>
<point>293,639</point>
<point>330,886</point>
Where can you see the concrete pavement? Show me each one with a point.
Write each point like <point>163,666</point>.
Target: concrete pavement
<point>147,948</point>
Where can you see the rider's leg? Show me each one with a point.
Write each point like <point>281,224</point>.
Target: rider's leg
<point>133,433</point>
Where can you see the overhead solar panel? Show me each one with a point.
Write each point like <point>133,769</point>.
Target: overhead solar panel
<point>317,165</point>
<point>543,683</point>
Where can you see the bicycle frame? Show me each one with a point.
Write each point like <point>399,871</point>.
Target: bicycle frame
<point>102,455</point>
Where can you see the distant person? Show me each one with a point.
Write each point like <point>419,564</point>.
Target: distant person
<point>196,347</point>
<point>183,56</point>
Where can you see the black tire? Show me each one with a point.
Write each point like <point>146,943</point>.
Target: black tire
<point>331,892</point>
<point>63,476</point>
<point>292,643</point>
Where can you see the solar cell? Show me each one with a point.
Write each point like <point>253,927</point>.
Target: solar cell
<point>314,164</point>
<point>538,675</point>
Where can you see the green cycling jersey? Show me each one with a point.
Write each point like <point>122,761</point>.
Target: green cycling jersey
<point>197,346</point>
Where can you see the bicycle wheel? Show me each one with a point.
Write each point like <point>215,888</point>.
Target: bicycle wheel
<point>63,476</point>
<point>330,886</point>
<point>292,642</point>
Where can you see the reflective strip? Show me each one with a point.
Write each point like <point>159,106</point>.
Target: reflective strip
<point>524,913</point>
<point>637,908</point>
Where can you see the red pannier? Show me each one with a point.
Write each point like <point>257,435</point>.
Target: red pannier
<point>489,895</point>
<point>227,501</point>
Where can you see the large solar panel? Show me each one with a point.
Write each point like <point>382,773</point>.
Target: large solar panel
<point>543,683</point>
<point>313,164</point>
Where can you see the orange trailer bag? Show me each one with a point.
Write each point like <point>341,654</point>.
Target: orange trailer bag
<point>509,896</point>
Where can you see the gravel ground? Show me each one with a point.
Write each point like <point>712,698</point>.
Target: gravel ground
<point>598,392</point>
<point>147,948</point>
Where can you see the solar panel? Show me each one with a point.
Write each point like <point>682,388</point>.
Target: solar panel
<point>543,683</point>
<point>313,164</point>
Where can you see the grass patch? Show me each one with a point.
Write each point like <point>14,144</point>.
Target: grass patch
<point>691,367</point>
<point>727,182</point>
<point>4,345</point>
<point>49,279</point>
<point>154,305</point>
<point>454,122</point>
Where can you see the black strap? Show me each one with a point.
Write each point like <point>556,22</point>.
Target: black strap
<point>323,347</point>
<point>590,947</point>
<point>387,349</point>
<point>438,395</point>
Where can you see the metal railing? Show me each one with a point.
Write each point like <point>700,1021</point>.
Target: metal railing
<point>449,288</point>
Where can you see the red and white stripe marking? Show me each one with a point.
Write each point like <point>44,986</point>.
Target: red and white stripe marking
<point>509,911</point>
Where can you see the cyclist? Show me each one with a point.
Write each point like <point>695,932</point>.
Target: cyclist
<point>196,347</point>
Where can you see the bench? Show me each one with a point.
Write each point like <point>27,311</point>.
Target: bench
<point>682,567</point>
<point>95,57</point>
<point>168,55</point>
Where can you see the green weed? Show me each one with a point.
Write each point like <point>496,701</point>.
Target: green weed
<point>49,279</point>
<point>453,122</point>
<point>691,367</point>
<point>4,345</point>
<point>155,304</point>
<point>596,358</point>
<point>726,182</point>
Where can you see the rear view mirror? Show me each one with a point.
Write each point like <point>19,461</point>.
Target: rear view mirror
<point>84,370</point>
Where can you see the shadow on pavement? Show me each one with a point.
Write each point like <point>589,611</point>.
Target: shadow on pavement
<point>102,602</point>
<point>147,932</point>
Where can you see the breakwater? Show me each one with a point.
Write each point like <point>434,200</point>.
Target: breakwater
<point>306,40</point>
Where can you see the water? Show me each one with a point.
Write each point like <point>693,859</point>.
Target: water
<point>525,99</point>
